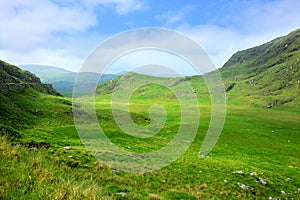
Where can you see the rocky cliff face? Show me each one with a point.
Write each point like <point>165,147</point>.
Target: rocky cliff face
<point>13,78</point>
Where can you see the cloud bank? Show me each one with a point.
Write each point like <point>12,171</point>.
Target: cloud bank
<point>63,33</point>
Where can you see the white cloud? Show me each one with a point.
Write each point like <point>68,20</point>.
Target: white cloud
<point>219,43</point>
<point>275,16</point>
<point>57,32</point>
<point>122,7</point>
<point>26,24</point>
<point>53,32</point>
<point>252,25</point>
<point>149,46</point>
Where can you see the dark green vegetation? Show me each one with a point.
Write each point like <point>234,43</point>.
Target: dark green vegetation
<point>35,127</point>
<point>63,80</point>
<point>13,78</point>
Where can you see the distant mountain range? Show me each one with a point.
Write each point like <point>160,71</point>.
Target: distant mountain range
<point>268,74</point>
<point>61,79</point>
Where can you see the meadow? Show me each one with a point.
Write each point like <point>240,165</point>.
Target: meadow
<point>256,157</point>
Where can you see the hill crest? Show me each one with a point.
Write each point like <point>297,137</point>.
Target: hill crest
<point>14,78</point>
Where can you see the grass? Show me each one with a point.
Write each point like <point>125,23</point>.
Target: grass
<point>265,141</point>
<point>267,75</point>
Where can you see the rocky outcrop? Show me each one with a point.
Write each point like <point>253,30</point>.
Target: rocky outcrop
<point>13,78</point>
<point>230,87</point>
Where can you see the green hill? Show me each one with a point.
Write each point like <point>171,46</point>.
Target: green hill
<point>256,157</point>
<point>267,75</point>
<point>18,95</point>
<point>61,79</point>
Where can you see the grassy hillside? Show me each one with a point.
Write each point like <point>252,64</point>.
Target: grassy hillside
<point>35,164</point>
<point>63,80</point>
<point>256,157</point>
<point>266,75</point>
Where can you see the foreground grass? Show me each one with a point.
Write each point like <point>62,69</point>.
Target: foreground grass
<point>253,140</point>
<point>29,174</point>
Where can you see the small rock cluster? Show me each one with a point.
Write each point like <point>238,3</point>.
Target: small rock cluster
<point>262,181</point>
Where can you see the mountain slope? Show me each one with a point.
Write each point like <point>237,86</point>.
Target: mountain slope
<point>251,62</point>
<point>268,74</point>
<point>13,78</point>
<point>19,95</point>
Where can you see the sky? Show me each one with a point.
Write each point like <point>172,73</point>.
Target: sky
<point>63,33</point>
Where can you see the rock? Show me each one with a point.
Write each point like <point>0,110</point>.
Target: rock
<point>241,185</point>
<point>283,193</point>
<point>122,193</point>
<point>179,81</point>
<point>253,174</point>
<point>202,156</point>
<point>69,148</point>
<point>33,149</point>
<point>245,187</point>
<point>34,144</point>
<point>230,87</point>
<point>262,181</point>
<point>143,89</point>
<point>238,172</point>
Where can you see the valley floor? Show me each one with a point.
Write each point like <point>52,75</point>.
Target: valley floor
<point>256,157</point>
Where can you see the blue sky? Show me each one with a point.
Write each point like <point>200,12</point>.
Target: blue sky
<point>63,33</point>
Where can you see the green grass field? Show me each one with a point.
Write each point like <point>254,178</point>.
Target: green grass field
<point>254,139</point>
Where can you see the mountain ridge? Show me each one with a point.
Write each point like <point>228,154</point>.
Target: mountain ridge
<point>268,74</point>
<point>13,78</point>
<point>259,58</point>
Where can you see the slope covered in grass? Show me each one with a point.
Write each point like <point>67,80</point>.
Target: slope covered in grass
<point>256,157</point>
<point>253,140</point>
<point>266,75</point>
